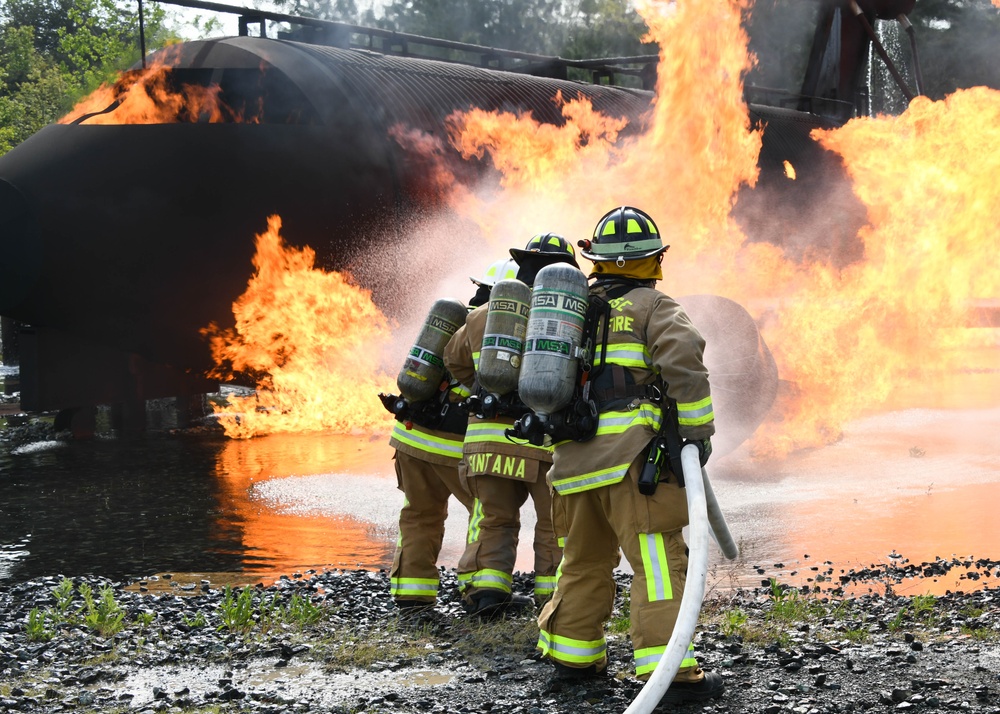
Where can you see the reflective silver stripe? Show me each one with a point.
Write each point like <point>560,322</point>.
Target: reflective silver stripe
<point>614,474</point>
<point>694,415</point>
<point>655,567</point>
<point>427,442</point>
<point>629,354</point>
<point>570,650</point>
<point>486,432</point>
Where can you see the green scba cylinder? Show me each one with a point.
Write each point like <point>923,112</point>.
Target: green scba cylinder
<point>503,338</point>
<point>555,332</point>
<point>424,369</point>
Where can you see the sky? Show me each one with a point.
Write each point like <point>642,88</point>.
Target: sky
<point>186,20</point>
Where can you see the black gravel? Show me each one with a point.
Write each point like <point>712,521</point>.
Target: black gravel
<point>874,651</point>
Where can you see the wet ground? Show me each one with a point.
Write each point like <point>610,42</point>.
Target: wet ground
<point>922,482</point>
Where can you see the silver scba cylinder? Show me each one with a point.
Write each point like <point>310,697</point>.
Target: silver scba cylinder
<point>503,338</point>
<point>424,369</point>
<point>555,332</point>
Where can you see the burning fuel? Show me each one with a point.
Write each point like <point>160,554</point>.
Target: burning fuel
<point>312,340</point>
<point>848,338</point>
<point>151,96</point>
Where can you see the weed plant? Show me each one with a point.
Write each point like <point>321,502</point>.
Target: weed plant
<point>241,613</point>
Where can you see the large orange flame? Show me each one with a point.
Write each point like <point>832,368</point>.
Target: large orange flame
<point>148,96</point>
<point>312,338</point>
<point>848,340</point>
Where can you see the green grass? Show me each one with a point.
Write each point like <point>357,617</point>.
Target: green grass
<point>621,619</point>
<point>101,614</point>
<point>344,649</point>
<point>36,628</point>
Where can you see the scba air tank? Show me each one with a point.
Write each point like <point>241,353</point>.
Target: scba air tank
<point>503,338</point>
<point>424,369</point>
<point>555,332</point>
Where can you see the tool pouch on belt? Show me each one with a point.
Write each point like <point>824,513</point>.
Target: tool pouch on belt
<point>664,448</point>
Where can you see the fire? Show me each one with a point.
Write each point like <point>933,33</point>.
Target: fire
<point>699,164</point>
<point>149,96</point>
<point>309,336</point>
<point>789,170</point>
<point>847,339</point>
<point>851,339</point>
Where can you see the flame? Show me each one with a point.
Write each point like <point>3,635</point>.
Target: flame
<point>848,339</point>
<point>852,338</point>
<point>149,96</point>
<point>309,337</point>
<point>789,170</point>
<point>685,173</point>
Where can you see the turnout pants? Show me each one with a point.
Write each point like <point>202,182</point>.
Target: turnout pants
<point>648,531</point>
<point>491,551</point>
<point>427,487</point>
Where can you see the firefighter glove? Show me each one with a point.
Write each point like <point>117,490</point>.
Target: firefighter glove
<point>704,448</point>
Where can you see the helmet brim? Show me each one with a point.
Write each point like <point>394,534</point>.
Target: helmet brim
<point>520,255</point>
<point>595,258</point>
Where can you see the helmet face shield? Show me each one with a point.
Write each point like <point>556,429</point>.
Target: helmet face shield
<point>624,233</point>
<point>503,269</point>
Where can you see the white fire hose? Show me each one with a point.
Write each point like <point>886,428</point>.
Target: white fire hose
<point>703,513</point>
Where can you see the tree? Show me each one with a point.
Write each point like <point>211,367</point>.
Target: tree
<point>54,52</point>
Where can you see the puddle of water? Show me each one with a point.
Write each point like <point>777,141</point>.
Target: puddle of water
<point>293,682</point>
<point>915,481</point>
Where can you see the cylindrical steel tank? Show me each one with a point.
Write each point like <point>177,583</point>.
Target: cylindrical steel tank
<point>503,339</point>
<point>134,238</point>
<point>422,371</point>
<point>555,333</point>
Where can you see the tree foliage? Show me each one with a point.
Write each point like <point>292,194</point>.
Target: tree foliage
<point>53,52</point>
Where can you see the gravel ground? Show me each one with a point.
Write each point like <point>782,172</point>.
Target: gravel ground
<point>333,642</point>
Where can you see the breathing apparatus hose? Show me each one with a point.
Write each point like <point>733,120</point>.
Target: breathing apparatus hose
<point>700,521</point>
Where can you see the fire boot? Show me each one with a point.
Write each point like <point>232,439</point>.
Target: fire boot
<point>493,605</point>
<point>710,686</point>
<point>566,673</point>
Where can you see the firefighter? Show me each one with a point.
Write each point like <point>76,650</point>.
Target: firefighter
<point>502,474</point>
<point>652,353</point>
<point>426,463</point>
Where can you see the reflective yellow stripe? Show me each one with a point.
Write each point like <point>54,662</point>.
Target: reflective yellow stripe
<point>647,658</point>
<point>695,413</point>
<point>475,520</point>
<point>656,567</point>
<point>486,579</point>
<point>618,422</point>
<point>418,439</point>
<point>565,649</point>
<point>593,479</point>
<point>414,587</point>
<point>626,354</point>
<point>480,432</point>
<point>545,585</point>
<point>491,432</point>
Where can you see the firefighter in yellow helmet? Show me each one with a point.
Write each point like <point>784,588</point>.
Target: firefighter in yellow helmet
<point>503,474</point>
<point>428,450</point>
<point>652,355</point>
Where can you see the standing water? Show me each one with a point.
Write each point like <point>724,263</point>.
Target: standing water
<point>914,481</point>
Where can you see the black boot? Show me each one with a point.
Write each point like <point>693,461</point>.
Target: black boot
<point>711,686</point>
<point>494,605</point>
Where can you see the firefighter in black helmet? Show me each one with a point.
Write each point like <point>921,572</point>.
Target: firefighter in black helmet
<point>428,450</point>
<point>652,354</point>
<point>503,474</point>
